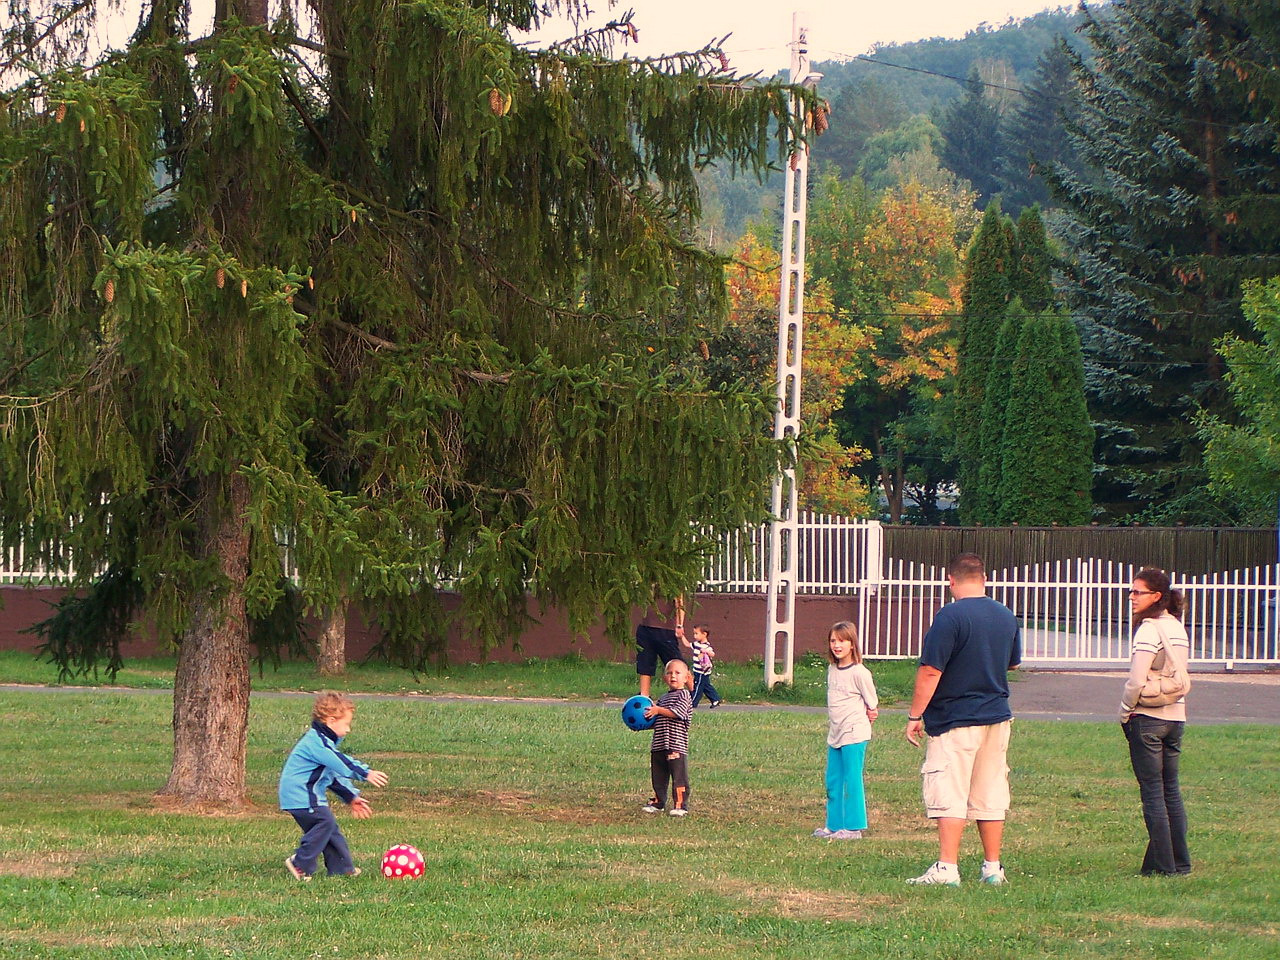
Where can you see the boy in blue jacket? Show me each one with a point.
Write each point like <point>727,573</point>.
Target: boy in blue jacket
<point>315,765</point>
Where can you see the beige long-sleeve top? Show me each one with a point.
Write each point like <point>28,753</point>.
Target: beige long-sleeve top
<point>1154,634</point>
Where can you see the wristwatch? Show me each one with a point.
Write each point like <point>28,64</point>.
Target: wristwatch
<point>912,719</point>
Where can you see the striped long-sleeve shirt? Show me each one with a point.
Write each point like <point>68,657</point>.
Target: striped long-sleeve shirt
<point>673,734</point>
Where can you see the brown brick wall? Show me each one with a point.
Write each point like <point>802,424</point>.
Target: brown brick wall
<point>736,621</point>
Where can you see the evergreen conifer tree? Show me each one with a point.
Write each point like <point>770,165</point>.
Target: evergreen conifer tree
<point>984,298</point>
<point>972,140</point>
<point>1035,135</point>
<point>376,277</point>
<point>1045,473</point>
<point>995,406</point>
<point>1033,274</point>
<point>1177,206</point>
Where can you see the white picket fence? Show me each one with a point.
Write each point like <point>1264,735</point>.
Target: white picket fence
<point>1077,612</point>
<point>1072,611</point>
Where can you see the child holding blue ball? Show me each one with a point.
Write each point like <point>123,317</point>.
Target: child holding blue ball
<point>851,707</point>
<point>669,752</point>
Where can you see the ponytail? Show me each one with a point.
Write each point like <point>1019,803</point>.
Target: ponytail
<point>1171,601</point>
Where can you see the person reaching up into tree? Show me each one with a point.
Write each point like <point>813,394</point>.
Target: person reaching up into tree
<point>660,636</point>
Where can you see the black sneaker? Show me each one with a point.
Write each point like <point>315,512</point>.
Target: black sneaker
<point>653,806</point>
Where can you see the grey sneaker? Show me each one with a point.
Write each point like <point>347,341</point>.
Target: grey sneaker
<point>994,877</point>
<point>822,833</point>
<point>938,875</point>
<point>652,806</point>
<point>847,835</point>
<point>295,872</point>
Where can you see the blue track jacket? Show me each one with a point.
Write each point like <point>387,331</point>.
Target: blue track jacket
<point>315,765</point>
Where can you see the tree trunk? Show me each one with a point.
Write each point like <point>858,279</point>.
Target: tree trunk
<point>211,685</point>
<point>331,660</point>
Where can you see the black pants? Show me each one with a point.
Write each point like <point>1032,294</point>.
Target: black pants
<point>668,767</point>
<point>1154,748</point>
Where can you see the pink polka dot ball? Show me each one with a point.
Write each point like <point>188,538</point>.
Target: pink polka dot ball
<point>402,862</point>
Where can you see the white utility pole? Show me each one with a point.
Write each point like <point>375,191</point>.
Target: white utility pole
<point>779,640</point>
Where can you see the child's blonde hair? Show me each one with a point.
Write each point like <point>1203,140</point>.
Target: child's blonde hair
<point>330,706</point>
<point>845,631</point>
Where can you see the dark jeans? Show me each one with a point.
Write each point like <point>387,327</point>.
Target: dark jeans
<point>1154,748</point>
<point>321,835</point>
<point>673,768</point>
<point>702,684</point>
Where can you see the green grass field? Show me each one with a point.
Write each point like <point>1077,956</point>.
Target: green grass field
<point>528,816</point>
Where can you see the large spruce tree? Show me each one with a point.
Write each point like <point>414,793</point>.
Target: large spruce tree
<point>971,132</point>
<point>1178,204</point>
<point>1035,133</point>
<point>374,277</point>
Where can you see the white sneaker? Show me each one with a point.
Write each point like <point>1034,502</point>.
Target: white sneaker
<point>651,808</point>
<point>677,812</point>
<point>937,874</point>
<point>847,835</point>
<point>994,877</point>
<point>822,833</point>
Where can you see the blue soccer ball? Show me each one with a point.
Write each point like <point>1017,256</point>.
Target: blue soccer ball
<point>633,713</point>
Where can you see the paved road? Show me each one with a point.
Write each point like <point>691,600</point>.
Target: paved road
<point>1215,698</point>
<point>1036,694</point>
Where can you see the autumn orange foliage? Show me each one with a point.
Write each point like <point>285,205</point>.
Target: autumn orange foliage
<point>831,360</point>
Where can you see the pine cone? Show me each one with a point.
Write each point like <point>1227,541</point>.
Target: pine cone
<point>704,350</point>
<point>61,114</point>
<point>495,101</point>
<point>633,31</point>
<point>109,291</point>
<point>724,61</point>
<point>311,283</point>
<point>82,126</point>
<point>821,119</point>
<point>244,288</point>
<point>233,83</point>
<point>506,104</point>
<point>795,161</point>
<point>353,214</point>
<point>220,277</point>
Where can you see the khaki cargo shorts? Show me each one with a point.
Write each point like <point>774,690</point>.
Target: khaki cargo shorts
<point>965,774</point>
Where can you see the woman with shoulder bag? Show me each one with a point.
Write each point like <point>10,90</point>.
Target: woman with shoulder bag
<point>1153,713</point>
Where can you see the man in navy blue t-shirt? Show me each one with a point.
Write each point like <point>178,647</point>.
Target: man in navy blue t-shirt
<point>961,701</point>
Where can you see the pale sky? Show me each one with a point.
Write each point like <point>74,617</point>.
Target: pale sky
<point>837,28</point>
<point>760,30</point>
